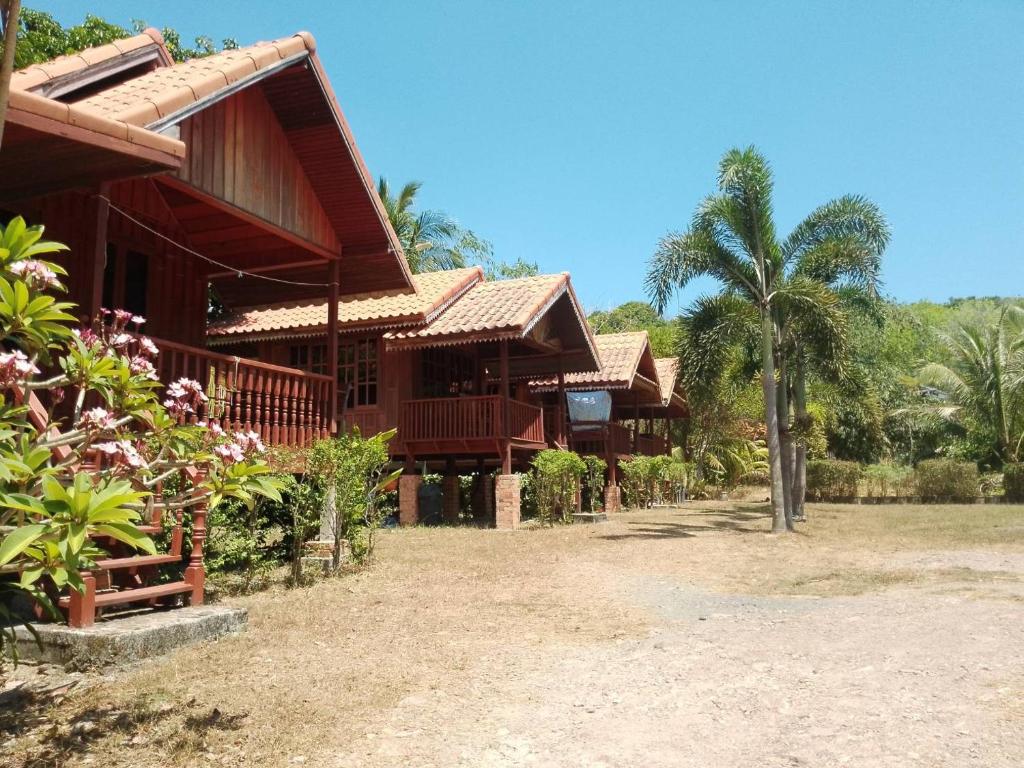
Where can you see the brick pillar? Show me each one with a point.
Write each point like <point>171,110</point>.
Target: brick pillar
<point>612,499</point>
<point>408,499</point>
<point>506,506</point>
<point>450,506</point>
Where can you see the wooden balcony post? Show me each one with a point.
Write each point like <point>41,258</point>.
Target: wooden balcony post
<point>195,573</point>
<point>636,423</point>
<point>560,411</point>
<point>96,255</point>
<point>506,451</point>
<point>334,278</point>
<point>82,605</point>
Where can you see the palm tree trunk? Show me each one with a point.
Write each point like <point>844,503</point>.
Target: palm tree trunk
<point>771,420</point>
<point>800,463</point>
<point>785,441</point>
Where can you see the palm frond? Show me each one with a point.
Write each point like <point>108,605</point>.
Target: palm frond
<point>848,216</point>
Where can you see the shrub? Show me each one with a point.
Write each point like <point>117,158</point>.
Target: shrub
<point>947,480</point>
<point>675,478</point>
<point>830,479</point>
<point>1013,482</point>
<point>888,480</point>
<point>557,477</point>
<point>640,477</point>
<point>351,472</point>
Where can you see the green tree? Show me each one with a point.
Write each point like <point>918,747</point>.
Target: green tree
<point>430,239</point>
<point>984,382</point>
<point>766,282</point>
<point>638,316</point>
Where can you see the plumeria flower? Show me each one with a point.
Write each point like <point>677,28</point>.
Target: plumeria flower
<point>230,452</point>
<point>184,396</point>
<point>37,275</point>
<point>142,366</point>
<point>97,418</point>
<point>250,442</point>
<point>15,368</point>
<point>147,347</point>
<point>122,452</point>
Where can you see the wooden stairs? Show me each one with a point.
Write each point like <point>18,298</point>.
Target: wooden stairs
<point>125,579</point>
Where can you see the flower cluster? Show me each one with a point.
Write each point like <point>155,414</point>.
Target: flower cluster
<point>114,338</point>
<point>37,276</point>
<point>122,453</point>
<point>246,445</point>
<point>184,397</point>
<point>15,368</point>
<point>98,419</point>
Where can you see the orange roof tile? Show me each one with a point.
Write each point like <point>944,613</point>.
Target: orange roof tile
<point>37,75</point>
<point>157,94</point>
<point>491,310</point>
<point>668,375</point>
<point>434,291</point>
<point>620,355</point>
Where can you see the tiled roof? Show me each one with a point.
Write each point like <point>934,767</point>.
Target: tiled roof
<point>157,94</point>
<point>668,375</point>
<point>38,75</point>
<point>491,310</point>
<point>434,291</point>
<point>620,355</point>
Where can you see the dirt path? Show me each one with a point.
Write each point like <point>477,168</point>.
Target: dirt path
<point>664,638</point>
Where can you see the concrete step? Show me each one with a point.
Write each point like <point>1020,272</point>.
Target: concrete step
<point>589,517</point>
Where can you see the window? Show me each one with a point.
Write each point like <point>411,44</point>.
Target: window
<point>358,372</point>
<point>447,373</point>
<point>309,357</point>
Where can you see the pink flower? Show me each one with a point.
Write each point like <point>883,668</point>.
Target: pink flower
<point>138,319</point>
<point>36,275</point>
<point>15,368</point>
<point>121,340</point>
<point>184,396</point>
<point>122,452</point>
<point>230,452</point>
<point>250,442</point>
<point>142,366</point>
<point>147,347</point>
<point>97,418</point>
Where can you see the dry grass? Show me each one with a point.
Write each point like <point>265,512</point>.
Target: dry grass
<point>320,666</point>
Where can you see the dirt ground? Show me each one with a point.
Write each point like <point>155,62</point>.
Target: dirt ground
<point>876,636</point>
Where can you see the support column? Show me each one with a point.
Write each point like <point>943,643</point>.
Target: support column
<point>506,447</point>
<point>409,499</point>
<point>96,255</point>
<point>334,278</point>
<point>560,412</point>
<point>483,495</point>
<point>612,499</point>
<point>450,502</point>
<point>636,423</point>
<point>506,506</point>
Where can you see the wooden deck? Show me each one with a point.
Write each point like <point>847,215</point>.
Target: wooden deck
<point>469,425</point>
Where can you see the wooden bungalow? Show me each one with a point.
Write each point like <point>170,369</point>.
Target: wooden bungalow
<point>234,174</point>
<point>447,365</point>
<point>624,409</point>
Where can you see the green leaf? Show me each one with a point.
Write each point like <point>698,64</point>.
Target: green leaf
<point>127,534</point>
<point>19,540</point>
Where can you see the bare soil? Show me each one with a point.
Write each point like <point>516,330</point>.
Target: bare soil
<point>875,636</point>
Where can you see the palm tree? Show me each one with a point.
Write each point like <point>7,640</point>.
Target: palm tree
<point>984,380</point>
<point>430,239</point>
<point>776,285</point>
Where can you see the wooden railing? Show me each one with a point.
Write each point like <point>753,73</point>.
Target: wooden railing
<point>285,406</point>
<point>600,438</point>
<point>651,445</point>
<point>469,418</point>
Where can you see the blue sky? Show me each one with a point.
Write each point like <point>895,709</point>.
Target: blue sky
<point>575,134</point>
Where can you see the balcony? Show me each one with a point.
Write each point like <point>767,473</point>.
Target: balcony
<point>601,438</point>
<point>285,406</point>
<point>469,424</point>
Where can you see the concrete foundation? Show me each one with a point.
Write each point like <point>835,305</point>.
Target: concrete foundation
<point>450,503</point>
<point>506,502</point>
<point>590,517</point>
<point>408,499</point>
<point>130,638</point>
<point>612,499</point>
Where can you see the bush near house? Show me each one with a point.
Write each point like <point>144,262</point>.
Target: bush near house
<point>557,478</point>
<point>831,479</point>
<point>888,480</point>
<point>641,477</point>
<point>946,480</point>
<point>1013,482</point>
<point>593,483</point>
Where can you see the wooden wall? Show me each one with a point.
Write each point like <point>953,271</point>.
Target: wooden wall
<point>238,152</point>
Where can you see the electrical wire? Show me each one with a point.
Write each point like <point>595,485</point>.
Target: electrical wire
<point>207,259</point>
